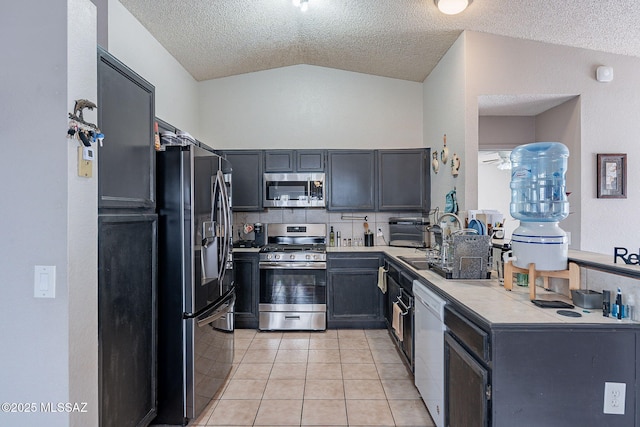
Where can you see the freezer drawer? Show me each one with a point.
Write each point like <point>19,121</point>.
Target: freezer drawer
<point>209,355</point>
<point>291,320</point>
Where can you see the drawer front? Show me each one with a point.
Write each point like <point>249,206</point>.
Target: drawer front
<point>291,321</point>
<point>352,262</point>
<point>474,338</point>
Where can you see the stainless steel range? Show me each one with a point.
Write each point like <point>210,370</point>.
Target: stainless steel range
<point>293,278</point>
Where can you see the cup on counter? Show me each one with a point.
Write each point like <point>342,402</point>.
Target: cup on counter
<point>522,279</point>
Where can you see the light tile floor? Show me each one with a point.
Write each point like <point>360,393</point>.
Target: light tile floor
<point>331,378</point>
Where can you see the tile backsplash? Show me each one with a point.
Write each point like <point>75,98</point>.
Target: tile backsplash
<point>342,222</point>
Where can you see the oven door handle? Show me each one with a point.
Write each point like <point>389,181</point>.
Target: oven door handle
<point>275,265</point>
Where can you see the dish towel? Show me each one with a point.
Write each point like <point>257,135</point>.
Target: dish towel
<point>396,323</point>
<point>382,279</point>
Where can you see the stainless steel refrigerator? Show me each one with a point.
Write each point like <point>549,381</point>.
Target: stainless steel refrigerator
<point>196,292</point>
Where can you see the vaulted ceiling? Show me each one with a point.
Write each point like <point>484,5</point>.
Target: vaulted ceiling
<point>401,39</point>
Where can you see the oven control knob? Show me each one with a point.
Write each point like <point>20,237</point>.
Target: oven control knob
<point>268,256</point>
<point>308,257</point>
<point>292,256</point>
<point>277,256</point>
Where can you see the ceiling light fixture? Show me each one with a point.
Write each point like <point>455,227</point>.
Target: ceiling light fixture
<point>452,7</point>
<point>302,4</point>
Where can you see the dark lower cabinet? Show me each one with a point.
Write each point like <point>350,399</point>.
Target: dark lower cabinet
<point>532,375</point>
<point>127,267</point>
<point>466,388</point>
<point>555,376</point>
<point>400,291</point>
<point>354,299</point>
<point>247,279</point>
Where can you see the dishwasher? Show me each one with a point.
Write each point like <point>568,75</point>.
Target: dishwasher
<point>429,331</point>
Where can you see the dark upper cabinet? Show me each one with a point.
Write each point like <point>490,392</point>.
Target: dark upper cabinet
<point>165,127</point>
<point>310,160</point>
<point>279,161</point>
<point>246,190</point>
<point>351,180</point>
<point>404,181</point>
<point>126,160</point>
<point>294,160</point>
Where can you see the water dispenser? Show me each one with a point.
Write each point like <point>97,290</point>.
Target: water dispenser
<point>539,201</point>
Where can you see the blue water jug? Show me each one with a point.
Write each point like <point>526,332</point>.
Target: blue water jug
<point>538,182</point>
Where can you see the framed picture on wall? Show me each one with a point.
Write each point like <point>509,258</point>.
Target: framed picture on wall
<point>612,176</point>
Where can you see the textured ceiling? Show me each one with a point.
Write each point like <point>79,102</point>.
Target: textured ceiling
<point>401,39</point>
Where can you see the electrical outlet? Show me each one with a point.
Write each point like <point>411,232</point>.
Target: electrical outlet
<point>614,397</point>
<point>379,232</point>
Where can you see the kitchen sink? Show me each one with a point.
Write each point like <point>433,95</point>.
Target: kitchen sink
<point>419,263</point>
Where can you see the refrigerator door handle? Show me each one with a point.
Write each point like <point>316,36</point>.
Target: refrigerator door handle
<point>226,307</point>
<point>225,232</point>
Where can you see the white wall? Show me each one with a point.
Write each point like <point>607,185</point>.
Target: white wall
<point>297,106</point>
<point>82,238</point>
<point>310,106</point>
<point>562,124</point>
<point>49,351</point>
<point>505,132</point>
<point>496,65</point>
<point>176,90</point>
<point>444,113</point>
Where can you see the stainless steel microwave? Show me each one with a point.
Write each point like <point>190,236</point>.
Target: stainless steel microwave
<point>294,190</point>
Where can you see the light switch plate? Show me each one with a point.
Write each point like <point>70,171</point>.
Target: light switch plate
<point>44,281</point>
<point>85,167</point>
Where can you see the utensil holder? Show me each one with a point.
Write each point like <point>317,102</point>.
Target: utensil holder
<point>368,239</point>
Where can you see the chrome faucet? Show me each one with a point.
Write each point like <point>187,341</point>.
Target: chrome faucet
<point>454,216</point>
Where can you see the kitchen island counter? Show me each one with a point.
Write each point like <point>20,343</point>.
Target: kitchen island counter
<point>510,363</point>
<point>489,301</point>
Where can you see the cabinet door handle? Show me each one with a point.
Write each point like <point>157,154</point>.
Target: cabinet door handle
<point>292,317</point>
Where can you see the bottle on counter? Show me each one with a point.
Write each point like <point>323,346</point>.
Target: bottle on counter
<point>332,241</point>
<point>338,241</point>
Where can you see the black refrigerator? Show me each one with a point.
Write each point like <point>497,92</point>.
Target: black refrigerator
<point>196,292</point>
<point>127,246</point>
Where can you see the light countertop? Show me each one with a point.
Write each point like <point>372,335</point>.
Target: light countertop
<point>489,300</point>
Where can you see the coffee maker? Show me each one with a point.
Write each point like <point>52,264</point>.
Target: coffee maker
<point>259,233</point>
